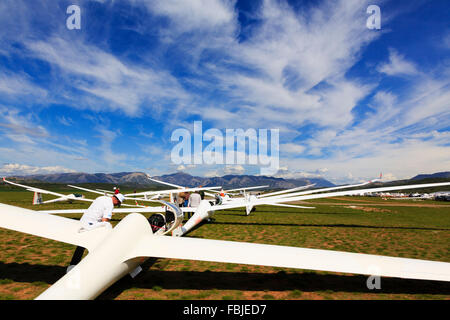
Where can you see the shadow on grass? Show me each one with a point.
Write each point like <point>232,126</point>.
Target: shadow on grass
<point>25,272</point>
<point>308,211</point>
<point>222,280</point>
<point>281,281</point>
<point>326,225</point>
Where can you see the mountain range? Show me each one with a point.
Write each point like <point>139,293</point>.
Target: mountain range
<point>240,181</point>
<point>185,179</point>
<point>442,175</point>
<point>179,178</point>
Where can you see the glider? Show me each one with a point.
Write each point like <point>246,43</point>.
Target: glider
<point>206,211</point>
<point>223,196</point>
<point>37,198</point>
<point>164,219</point>
<point>208,188</point>
<point>251,200</point>
<point>161,223</point>
<point>113,253</point>
<point>169,192</point>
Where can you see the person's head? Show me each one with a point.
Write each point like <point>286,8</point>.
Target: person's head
<point>118,199</point>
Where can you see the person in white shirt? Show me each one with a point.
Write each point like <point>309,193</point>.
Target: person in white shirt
<point>100,212</point>
<point>194,201</point>
<point>97,215</point>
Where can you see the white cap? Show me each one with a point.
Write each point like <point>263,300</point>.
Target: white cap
<point>120,197</point>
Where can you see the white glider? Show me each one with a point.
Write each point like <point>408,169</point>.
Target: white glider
<point>219,199</point>
<point>206,211</point>
<point>110,194</point>
<point>293,194</point>
<point>169,191</point>
<point>207,188</point>
<point>271,194</point>
<point>288,193</point>
<point>115,252</point>
<point>119,210</point>
<point>61,197</point>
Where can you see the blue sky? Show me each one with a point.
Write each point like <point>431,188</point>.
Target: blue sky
<point>349,102</point>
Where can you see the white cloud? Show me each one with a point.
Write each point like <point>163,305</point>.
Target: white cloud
<point>20,85</point>
<point>366,159</point>
<point>20,128</point>
<point>220,170</point>
<point>194,14</point>
<point>286,173</point>
<point>292,148</point>
<point>126,87</point>
<point>397,65</point>
<point>233,169</point>
<point>212,173</point>
<point>310,49</point>
<point>23,169</point>
<point>67,121</point>
<point>269,76</point>
<point>111,158</point>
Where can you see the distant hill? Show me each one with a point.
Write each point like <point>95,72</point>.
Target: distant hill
<point>121,178</point>
<point>444,175</point>
<point>419,179</point>
<point>239,181</point>
<point>227,182</point>
<point>179,178</point>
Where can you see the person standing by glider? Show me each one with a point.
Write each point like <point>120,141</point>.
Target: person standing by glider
<point>100,212</point>
<point>97,215</point>
<point>193,202</point>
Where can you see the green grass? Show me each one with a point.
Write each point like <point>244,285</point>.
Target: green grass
<point>5,281</point>
<point>394,230</point>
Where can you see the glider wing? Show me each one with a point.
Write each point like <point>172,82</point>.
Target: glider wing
<point>289,257</point>
<point>49,226</point>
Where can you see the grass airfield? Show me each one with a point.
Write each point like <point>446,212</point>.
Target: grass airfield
<point>402,228</point>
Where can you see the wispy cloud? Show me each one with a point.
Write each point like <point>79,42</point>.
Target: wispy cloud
<point>20,85</point>
<point>397,65</point>
<point>303,69</point>
<point>23,169</point>
<point>272,76</point>
<point>128,88</point>
<point>67,121</point>
<point>18,127</point>
<point>193,15</point>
